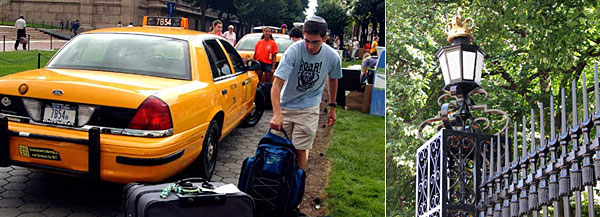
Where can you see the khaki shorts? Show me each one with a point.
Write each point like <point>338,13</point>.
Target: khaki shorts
<point>301,125</point>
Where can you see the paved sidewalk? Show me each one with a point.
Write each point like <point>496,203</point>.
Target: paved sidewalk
<point>35,45</point>
<point>25,192</point>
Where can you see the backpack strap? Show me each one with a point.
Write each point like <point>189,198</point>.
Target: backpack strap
<point>274,139</point>
<point>284,134</point>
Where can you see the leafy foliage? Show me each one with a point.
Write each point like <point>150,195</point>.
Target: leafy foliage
<point>364,12</point>
<point>335,15</point>
<point>272,12</point>
<point>534,48</point>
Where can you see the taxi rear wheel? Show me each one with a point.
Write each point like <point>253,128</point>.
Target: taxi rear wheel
<point>258,108</point>
<point>206,162</point>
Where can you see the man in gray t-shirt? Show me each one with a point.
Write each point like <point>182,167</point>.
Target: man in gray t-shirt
<point>299,83</point>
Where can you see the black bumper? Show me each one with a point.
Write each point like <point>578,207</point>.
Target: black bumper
<point>93,143</point>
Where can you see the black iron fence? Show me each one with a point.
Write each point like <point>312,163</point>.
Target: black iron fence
<point>470,174</point>
<point>10,43</point>
<point>46,24</point>
<point>549,172</point>
<point>38,56</point>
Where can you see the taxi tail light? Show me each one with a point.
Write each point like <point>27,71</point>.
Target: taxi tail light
<point>153,114</point>
<point>33,107</point>
<point>84,113</point>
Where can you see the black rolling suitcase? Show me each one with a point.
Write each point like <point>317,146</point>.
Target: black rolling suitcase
<point>189,197</point>
<point>265,87</point>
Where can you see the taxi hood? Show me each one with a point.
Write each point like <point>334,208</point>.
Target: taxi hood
<point>85,86</point>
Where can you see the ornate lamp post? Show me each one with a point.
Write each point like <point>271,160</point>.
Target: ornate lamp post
<point>461,63</point>
<point>449,165</point>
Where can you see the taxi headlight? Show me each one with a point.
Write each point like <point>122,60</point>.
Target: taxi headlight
<point>84,113</point>
<point>33,108</point>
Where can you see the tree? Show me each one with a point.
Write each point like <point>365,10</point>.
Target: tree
<point>272,12</point>
<point>534,48</point>
<point>365,12</point>
<point>335,15</point>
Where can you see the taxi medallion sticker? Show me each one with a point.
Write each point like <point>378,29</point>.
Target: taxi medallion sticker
<point>40,153</point>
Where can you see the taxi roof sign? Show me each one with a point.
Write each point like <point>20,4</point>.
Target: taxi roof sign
<point>165,22</point>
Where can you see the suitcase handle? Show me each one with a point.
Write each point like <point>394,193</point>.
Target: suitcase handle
<point>204,182</point>
<point>204,199</point>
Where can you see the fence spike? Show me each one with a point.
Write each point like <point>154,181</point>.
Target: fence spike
<point>563,115</point>
<point>552,131</point>
<point>596,90</point>
<point>516,150</point>
<point>574,104</point>
<point>542,136</point>
<point>505,191</point>
<point>533,148</point>
<point>483,180</point>
<point>506,151</point>
<point>524,136</point>
<point>498,161</point>
<point>491,158</point>
<point>585,102</point>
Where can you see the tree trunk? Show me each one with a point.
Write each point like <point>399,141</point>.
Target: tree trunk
<point>382,32</point>
<point>374,29</point>
<point>364,28</point>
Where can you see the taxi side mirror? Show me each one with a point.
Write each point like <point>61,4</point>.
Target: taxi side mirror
<point>252,65</point>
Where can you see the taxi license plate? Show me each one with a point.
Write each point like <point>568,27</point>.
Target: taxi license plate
<point>59,113</point>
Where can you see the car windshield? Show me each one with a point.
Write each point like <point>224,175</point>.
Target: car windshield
<point>248,43</point>
<point>126,53</point>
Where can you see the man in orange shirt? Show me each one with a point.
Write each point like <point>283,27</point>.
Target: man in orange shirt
<point>265,52</point>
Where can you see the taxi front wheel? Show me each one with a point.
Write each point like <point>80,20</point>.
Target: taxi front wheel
<point>206,162</point>
<point>258,108</point>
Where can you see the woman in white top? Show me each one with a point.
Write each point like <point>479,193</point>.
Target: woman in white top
<point>230,35</point>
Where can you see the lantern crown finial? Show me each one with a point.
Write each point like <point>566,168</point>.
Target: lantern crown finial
<point>459,27</point>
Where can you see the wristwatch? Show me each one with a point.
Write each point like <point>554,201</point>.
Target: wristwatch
<point>333,104</point>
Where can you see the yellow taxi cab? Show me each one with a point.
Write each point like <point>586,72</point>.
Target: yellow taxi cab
<point>129,104</point>
<point>247,43</point>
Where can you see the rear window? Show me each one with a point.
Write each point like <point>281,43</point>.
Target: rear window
<point>248,43</point>
<point>126,53</point>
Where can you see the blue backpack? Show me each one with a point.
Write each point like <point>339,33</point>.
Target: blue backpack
<point>273,177</point>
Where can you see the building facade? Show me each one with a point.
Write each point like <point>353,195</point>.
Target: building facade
<point>94,14</point>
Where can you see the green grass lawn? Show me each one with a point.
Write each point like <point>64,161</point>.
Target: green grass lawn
<point>354,62</point>
<point>357,155</point>
<point>18,61</point>
<point>52,25</point>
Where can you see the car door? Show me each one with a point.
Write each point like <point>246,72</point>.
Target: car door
<point>245,90</point>
<point>225,81</point>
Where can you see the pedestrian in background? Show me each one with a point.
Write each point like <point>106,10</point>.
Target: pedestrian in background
<point>119,24</point>
<point>75,27</point>
<point>283,28</point>
<point>296,34</point>
<point>355,47</point>
<point>20,25</point>
<point>336,43</point>
<point>216,28</point>
<point>230,35</point>
<point>265,52</point>
<point>368,69</point>
<point>130,24</point>
<point>375,44</point>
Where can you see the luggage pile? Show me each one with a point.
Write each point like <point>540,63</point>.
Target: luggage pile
<point>271,185</point>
